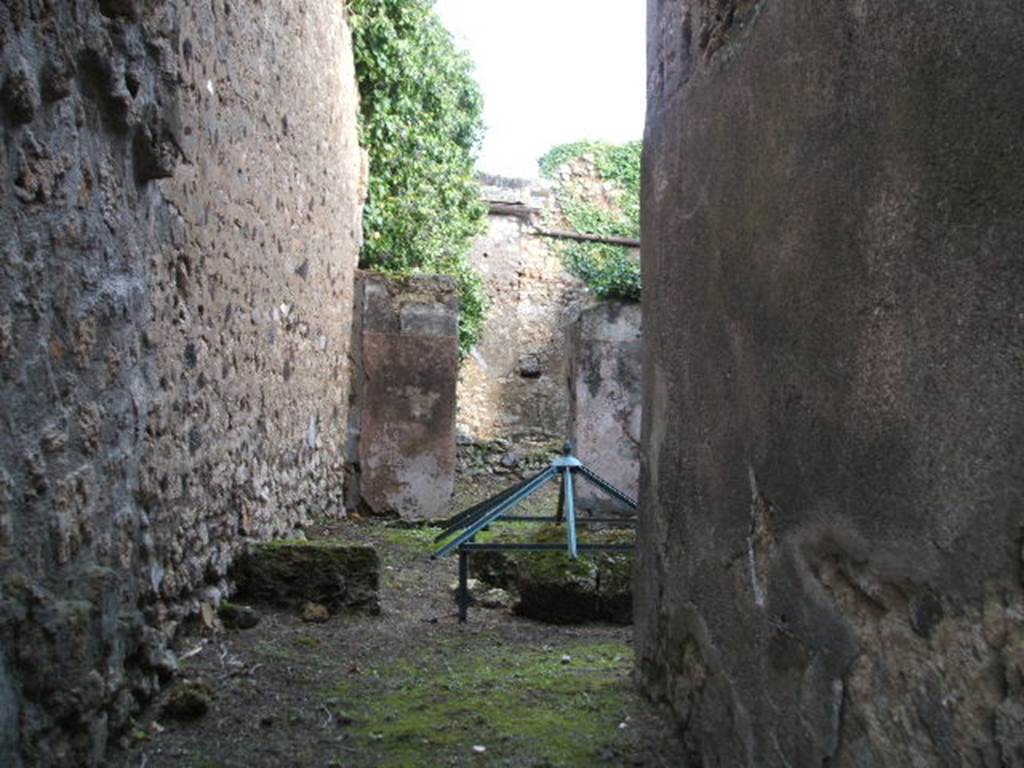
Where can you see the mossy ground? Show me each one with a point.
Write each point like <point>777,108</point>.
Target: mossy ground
<point>524,706</point>
<point>414,539</point>
<point>410,686</point>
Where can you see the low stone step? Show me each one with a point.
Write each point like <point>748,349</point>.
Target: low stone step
<point>288,574</point>
<point>554,588</point>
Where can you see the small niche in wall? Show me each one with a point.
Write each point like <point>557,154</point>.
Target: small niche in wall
<point>529,367</point>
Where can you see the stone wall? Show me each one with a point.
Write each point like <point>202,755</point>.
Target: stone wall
<point>832,486</point>
<point>512,387</point>
<point>604,399</point>
<point>402,420</point>
<point>178,229</point>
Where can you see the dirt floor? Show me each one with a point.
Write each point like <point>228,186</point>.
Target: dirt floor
<point>409,687</point>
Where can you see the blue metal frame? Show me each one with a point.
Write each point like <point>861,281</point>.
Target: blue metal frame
<point>468,523</point>
<point>473,525</point>
<point>570,512</point>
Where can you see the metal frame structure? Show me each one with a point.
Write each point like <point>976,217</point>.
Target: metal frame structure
<point>468,523</point>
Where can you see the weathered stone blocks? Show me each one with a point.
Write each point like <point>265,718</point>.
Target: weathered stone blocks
<point>402,430</point>
<point>512,386</point>
<point>331,574</point>
<point>604,399</point>
<point>555,588</point>
<point>832,485</point>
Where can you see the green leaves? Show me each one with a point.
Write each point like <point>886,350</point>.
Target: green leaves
<point>421,122</point>
<point>610,272</point>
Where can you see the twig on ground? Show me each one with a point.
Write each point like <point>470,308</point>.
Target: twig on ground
<point>189,654</point>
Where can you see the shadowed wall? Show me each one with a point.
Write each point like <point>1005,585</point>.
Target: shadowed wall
<point>832,480</point>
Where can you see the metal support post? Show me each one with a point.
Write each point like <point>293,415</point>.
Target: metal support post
<point>461,530</point>
<point>560,512</point>
<point>462,596</point>
<point>570,511</point>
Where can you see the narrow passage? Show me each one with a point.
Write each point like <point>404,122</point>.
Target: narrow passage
<point>411,686</point>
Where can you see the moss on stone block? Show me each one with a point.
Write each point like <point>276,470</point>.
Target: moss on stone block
<point>495,569</point>
<point>188,700</point>
<point>553,587</point>
<point>339,576</point>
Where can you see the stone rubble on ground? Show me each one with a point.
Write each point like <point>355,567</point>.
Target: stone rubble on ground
<point>497,598</point>
<point>187,700</point>
<point>314,613</point>
<point>238,616</point>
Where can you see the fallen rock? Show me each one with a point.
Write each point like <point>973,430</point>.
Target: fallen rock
<point>188,700</point>
<point>496,598</point>
<point>207,617</point>
<point>510,460</point>
<point>289,574</point>
<point>315,613</point>
<point>473,585</point>
<point>496,569</point>
<point>238,616</point>
<point>156,655</point>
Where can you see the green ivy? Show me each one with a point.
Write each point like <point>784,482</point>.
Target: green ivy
<point>609,271</point>
<point>421,122</point>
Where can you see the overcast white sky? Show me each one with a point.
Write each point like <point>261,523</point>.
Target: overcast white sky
<point>552,71</point>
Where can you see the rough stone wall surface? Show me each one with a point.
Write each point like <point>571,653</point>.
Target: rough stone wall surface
<point>512,386</point>
<point>402,421</point>
<point>179,221</point>
<point>832,482</point>
<point>604,399</point>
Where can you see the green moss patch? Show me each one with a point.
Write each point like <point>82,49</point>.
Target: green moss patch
<point>524,706</point>
<point>554,587</point>
<point>419,539</point>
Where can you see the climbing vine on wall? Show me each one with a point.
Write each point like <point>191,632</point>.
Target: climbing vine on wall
<point>598,193</point>
<point>421,122</point>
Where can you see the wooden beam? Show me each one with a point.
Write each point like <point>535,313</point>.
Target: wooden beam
<point>626,242</point>
<point>502,208</point>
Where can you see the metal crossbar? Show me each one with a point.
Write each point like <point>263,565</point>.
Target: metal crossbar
<point>489,514</point>
<point>467,513</point>
<point>497,546</point>
<point>468,523</point>
<point>459,521</point>
<point>579,520</point>
<point>607,487</point>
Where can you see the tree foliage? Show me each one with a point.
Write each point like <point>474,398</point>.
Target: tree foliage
<point>609,271</point>
<point>421,122</point>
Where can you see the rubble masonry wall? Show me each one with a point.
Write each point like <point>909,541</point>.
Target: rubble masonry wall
<point>180,219</point>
